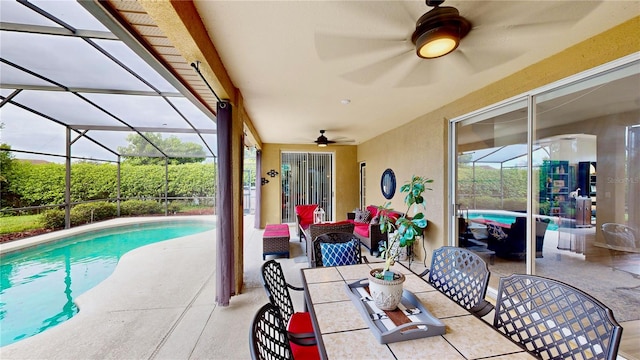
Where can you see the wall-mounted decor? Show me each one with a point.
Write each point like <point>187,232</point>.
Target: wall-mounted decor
<point>264,181</point>
<point>272,173</point>
<point>388,184</point>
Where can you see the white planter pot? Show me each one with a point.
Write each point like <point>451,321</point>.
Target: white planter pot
<point>386,294</point>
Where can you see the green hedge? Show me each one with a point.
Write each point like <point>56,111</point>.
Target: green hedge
<point>53,219</point>
<point>30,184</point>
<point>140,207</point>
<point>80,214</point>
<point>101,210</point>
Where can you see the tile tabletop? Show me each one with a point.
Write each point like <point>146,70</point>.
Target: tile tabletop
<point>344,333</point>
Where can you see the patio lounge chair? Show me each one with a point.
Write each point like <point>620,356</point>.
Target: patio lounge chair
<point>461,275</point>
<point>511,243</point>
<point>551,319</point>
<point>298,324</point>
<point>268,338</point>
<point>304,217</point>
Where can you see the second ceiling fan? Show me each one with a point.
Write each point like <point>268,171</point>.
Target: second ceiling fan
<point>323,141</point>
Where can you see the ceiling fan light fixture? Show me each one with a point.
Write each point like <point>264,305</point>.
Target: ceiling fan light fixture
<point>437,42</point>
<point>439,31</point>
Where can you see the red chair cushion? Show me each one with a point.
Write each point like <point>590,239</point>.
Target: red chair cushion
<point>304,352</point>
<point>276,230</point>
<point>306,213</point>
<point>361,229</point>
<point>373,210</point>
<point>300,323</point>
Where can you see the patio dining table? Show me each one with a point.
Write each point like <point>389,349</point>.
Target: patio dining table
<point>343,333</point>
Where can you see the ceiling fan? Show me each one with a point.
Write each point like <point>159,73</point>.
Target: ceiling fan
<point>323,141</point>
<point>443,42</point>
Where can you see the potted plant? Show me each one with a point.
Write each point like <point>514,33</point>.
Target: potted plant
<point>385,286</point>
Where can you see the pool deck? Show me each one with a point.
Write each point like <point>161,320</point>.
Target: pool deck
<point>160,304</point>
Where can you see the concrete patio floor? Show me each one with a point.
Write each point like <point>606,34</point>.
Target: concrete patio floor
<point>160,304</point>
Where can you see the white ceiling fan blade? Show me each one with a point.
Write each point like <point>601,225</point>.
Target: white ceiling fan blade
<point>478,60</point>
<point>334,46</point>
<point>342,139</point>
<point>387,14</point>
<point>382,25</point>
<point>546,16</point>
<point>425,72</point>
<point>370,73</point>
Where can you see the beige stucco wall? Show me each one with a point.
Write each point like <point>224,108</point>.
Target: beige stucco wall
<point>346,179</point>
<point>420,147</point>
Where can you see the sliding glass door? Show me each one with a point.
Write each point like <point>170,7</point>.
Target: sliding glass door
<point>491,186</point>
<point>549,184</point>
<point>307,178</point>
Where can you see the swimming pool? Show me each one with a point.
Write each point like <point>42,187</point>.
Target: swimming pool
<point>38,284</point>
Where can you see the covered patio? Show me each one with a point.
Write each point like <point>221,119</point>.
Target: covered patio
<point>171,39</point>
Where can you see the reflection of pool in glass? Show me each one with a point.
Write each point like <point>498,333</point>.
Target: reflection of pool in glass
<point>501,216</point>
<point>38,284</point>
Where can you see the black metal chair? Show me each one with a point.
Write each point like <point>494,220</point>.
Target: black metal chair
<point>461,275</point>
<point>298,324</point>
<point>336,238</point>
<point>316,230</point>
<point>551,319</point>
<point>268,338</point>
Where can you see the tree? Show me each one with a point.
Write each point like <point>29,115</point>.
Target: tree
<point>249,174</point>
<point>189,152</point>
<point>6,166</point>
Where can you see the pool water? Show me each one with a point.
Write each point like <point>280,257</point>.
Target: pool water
<point>505,219</point>
<point>38,284</point>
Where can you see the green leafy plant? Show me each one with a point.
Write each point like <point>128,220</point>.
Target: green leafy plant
<point>402,232</point>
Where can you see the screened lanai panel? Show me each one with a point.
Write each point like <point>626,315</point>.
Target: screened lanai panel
<point>117,141</point>
<point>79,65</point>
<point>140,111</point>
<point>14,76</point>
<point>498,155</point>
<point>212,142</point>
<point>14,12</point>
<point>196,117</point>
<point>88,150</point>
<point>67,56</point>
<point>72,13</point>
<point>24,130</point>
<point>183,145</point>
<point>65,107</point>
<point>124,54</point>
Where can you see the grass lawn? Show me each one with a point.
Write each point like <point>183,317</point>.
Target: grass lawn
<point>14,224</point>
